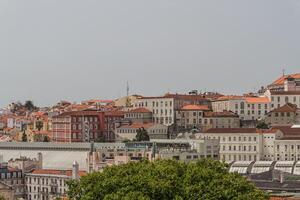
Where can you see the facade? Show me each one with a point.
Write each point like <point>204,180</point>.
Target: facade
<point>128,132</point>
<point>7,191</point>
<point>47,184</point>
<point>162,108</point>
<point>139,115</point>
<point>248,108</point>
<point>286,115</point>
<point>225,119</point>
<point>78,126</point>
<point>280,98</point>
<point>112,119</point>
<point>289,82</point>
<point>244,144</point>
<point>13,178</point>
<point>191,117</point>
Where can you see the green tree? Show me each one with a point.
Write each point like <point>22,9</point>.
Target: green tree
<point>262,125</point>
<point>29,105</point>
<point>142,135</point>
<point>24,137</point>
<point>39,125</point>
<point>165,180</point>
<point>46,139</point>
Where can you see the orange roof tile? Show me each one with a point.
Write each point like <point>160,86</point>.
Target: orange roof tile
<point>257,99</point>
<point>57,172</point>
<point>281,80</point>
<point>286,108</point>
<point>195,107</point>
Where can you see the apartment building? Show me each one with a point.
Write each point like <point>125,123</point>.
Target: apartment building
<point>128,132</point>
<point>48,184</point>
<point>245,144</point>
<point>78,126</point>
<point>139,115</point>
<point>286,115</point>
<point>289,82</point>
<point>162,108</point>
<point>225,119</point>
<point>191,117</point>
<point>248,108</point>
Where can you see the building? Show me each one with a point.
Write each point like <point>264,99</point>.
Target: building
<point>280,98</point>
<point>162,108</point>
<point>78,126</point>
<point>139,115</point>
<point>26,164</point>
<point>47,184</point>
<point>129,132</point>
<point>244,144</point>
<point>191,117</point>
<point>248,108</point>
<point>13,178</point>
<point>7,191</point>
<point>113,119</point>
<point>289,82</point>
<point>225,119</point>
<point>286,115</point>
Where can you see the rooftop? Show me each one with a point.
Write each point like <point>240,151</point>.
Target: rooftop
<point>195,107</point>
<point>56,172</point>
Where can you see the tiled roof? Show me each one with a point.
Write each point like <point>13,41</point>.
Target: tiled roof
<point>140,110</point>
<point>257,99</point>
<point>195,107</point>
<point>229,97</point>
<point>286,108</point>
<point>57,172</point>
<point>220,114</point>
<point>288,131</point>
<point>281,80</point>
<point>80,113</point>
<point>114,113</point>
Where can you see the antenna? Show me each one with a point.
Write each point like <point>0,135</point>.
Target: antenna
<point>127,89</point>
<point>283,72</point>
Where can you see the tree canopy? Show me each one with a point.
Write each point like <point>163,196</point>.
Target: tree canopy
<point>165,180</point>
<point>262,125</point>
<point>142,135</point>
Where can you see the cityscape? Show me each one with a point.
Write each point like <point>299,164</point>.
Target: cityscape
<point>149,100</point>
<point>256,134</point>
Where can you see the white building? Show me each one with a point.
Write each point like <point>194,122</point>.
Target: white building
<point>244,144</point>
<point>162,108</point>
<point>248,108</point>
<point>45,184</point>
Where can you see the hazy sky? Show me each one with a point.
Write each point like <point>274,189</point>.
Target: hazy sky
<point>80,49</point>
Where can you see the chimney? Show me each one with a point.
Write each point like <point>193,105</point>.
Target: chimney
<point>40,160</point>
<point>75,171</point>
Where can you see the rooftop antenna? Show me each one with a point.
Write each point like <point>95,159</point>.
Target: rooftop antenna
<point>127,89</point>
<point>283,72</point>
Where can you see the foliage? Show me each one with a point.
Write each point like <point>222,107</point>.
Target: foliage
<point>2,197</point>
<point>262,125</point>
<point>39,125</point>
<point>142,135</point>
<point>29,105</point>
<point>46,139</point>
<point>24,137</point>
<point>164,180</point>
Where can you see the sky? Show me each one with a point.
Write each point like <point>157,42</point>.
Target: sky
<point>52,50</point>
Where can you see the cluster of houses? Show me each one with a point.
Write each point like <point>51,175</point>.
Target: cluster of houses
<point>240,130</point>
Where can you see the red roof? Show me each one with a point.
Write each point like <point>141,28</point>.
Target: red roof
<point>285,92</point>
<point>57,172</point>
<point>286,108</point>
<point>195,107</point>
<point>281,80</point>
<point>140,110</point>
<point>240,130</point>
<point>257,99</point>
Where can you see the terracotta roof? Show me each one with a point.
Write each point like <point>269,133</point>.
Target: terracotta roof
<point>281,80</point>
<point>220,114</point>
<point>257,99</point>
<point>138,125</point>
<point>195,107</point>
<point>286,108</point>
<point>57,172</point>
<point>139,110</point>
<point>229,97</point>
<point>80,113</point>
<point>160,97</point>
<point>288,131</point>
<point>114,113</point>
